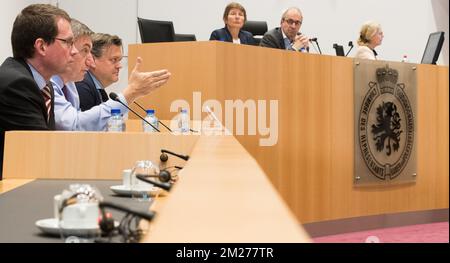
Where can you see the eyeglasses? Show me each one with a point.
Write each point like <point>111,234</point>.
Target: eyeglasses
<point>84,51</point>
<point>291,22</point>
<point>68,42</point>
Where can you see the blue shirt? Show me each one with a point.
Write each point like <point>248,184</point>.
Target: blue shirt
<point>68,115</point>
<point>40,81</point>
<point>97,83</point>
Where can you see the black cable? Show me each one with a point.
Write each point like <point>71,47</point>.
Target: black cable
<point>145,215</point>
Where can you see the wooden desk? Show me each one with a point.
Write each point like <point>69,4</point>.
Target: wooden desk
<point>9,184</point>
<point>85,155</point>
<point>223,196</point>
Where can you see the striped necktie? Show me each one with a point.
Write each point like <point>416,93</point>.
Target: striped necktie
<point>46,93</point>
<point>103,95</point>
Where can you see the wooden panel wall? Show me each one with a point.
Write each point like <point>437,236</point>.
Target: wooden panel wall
<point>312,163</point>
<point>85,155</point>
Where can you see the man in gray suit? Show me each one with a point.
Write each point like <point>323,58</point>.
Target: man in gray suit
<point>287,36</point>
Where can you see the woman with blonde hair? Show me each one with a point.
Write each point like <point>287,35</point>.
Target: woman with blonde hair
<point>370,36</point>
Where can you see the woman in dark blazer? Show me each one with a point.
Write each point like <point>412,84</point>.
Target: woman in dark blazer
<point>234,18</point>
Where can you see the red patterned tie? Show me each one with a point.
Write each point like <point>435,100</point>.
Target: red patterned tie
<point>46,93</point>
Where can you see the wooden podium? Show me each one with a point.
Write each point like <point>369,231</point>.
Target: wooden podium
<point>312,164</point>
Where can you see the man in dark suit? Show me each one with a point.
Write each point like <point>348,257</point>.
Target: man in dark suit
<point>42,44</point>
<point>107,54</point>
<point>287,36</point>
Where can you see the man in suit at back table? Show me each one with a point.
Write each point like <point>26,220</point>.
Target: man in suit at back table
<point>107,54</point>
<point>42,44</point>
<point>288,35</point>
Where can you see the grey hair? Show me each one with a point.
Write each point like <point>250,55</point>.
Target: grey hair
<point>79,29</point>
<point>289,9</point>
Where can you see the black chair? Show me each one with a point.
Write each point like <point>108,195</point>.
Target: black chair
<point>257,28</point>
<point>153,31</point>
<point>185,37</point>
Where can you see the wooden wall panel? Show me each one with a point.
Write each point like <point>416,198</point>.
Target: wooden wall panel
<point>312,163</point>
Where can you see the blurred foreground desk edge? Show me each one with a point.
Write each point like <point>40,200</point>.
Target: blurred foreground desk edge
<point>222,195</point>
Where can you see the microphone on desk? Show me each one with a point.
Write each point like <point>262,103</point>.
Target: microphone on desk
<point>314,40</point>
<point>165,186</point>
<point>158,119</point>
<point>350,44</point>
<point>115,97</point>
<point>142,214</point>
<point>164,156</point>
<point>107,226</point>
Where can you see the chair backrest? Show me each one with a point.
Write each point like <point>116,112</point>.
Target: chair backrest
<point>153,31</point>
<point>257,28</point>
<point>185,37</point>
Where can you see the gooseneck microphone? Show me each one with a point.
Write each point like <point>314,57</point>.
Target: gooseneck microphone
<point>314,40</point>
<point>350,44</point>
<point>129,234</point>
<point>165,186</point>
<point>164,156</point>
<point>115,97</point>
<point>145,215</point>
<point>160,122</point>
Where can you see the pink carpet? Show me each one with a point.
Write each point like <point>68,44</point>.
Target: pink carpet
<point>424,233</point>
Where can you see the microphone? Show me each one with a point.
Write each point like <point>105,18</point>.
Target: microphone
<point>107,226</point>
<point>158,119</point>
<point>350,44</point>
<point>145,215</point>
<point>165,186</point>
<point>115,97</point>
<point>164,156</point>
<point>314,39</point>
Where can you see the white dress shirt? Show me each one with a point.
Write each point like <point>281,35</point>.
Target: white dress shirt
<point>68,115</point>
<point>365,53</point>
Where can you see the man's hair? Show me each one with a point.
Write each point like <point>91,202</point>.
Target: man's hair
<point>288,10</point>
<point>231,6</point>
<point>79,29</point>
<point>102,41</point>
<point>35,21</point>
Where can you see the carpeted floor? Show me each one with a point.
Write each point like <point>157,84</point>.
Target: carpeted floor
<point>424,233</point>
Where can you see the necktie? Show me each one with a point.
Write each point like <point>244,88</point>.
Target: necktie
<point>46,93</point>
<point>65,92</point>
<point>103,95</point>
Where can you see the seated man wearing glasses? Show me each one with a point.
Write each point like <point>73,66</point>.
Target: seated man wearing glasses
<point>104,71</point>
<point>287,36</point>
<point>68,115</point>
<point>41,41</point>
